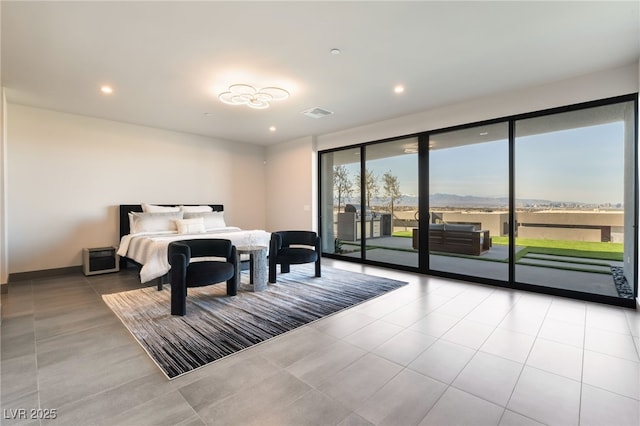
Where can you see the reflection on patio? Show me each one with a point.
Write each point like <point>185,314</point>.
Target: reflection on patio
<point>570,273</point>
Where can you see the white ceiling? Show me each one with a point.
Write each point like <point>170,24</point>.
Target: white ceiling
<point>167,61</point>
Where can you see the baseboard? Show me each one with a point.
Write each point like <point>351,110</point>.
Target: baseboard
<point>45,273</point>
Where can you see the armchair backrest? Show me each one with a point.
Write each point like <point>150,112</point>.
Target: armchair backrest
<point>289,238</point>
<point>201,248</point>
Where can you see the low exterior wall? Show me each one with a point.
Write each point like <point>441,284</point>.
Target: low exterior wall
<point>595,226</point>
<point>575,218</point>
<point>568,234</point>
<point>569,225</point>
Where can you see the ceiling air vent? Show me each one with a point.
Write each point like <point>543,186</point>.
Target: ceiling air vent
<point>317,112</point>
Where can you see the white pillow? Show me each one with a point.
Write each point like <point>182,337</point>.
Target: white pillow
<point>196,209</point>
<point>152,208</point>
<point>212,220</point>
<point>154,222</point>
<point>132,222</point>
<point>190,226</point>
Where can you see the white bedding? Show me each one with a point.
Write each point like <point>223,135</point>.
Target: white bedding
<point>150,249</point>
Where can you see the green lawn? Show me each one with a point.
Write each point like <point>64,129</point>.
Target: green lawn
<point>403,234</point>
<point>586,249</point>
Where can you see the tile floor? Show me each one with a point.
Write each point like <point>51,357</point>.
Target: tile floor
<point>435,352</point>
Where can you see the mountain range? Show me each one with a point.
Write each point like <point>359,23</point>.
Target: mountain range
<point>471,201</point>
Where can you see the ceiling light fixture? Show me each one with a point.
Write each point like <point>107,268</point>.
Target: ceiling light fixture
<point>335,51</point>
<point>272,129</point>
<point>243,94</point>
<point>107,90</point>
<point>398,89</point>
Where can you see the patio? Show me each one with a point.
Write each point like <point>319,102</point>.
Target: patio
<point>543,270</point>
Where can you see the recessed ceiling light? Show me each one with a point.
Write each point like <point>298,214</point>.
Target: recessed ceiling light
<point>207,114</point>
<point>484,133</point>
<point>272,129</point>
<point>107,90</point>
<point>335,51</point>
<point>398,89</point>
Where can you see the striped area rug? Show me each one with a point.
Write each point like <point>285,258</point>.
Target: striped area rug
<point>217,325</point>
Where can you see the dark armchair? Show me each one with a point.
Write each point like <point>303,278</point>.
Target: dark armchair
<point>293,247</point>
<point>184,274</point>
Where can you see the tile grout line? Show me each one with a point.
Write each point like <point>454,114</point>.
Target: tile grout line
<point>524,363</point>
<point>450,385</point>
<point>584,345</point>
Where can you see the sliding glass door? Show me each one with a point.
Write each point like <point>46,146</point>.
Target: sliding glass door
<point>468,226</point>
<point>574,187</point>
<point>544,201</point>
<point>339,191</point>
<point>369,202</point>
<point>391,203</point>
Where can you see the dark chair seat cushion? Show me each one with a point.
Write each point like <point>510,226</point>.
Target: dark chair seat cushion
<point>205,273</point>
<point>297,255</point>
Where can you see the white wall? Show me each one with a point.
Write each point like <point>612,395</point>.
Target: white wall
<point>291,179</point>
<point>3,241</point>
<point>4,274</point>
<point>3,148</point>
<point>66,174</point>
<point>609,83</point>
<point>3,252</point>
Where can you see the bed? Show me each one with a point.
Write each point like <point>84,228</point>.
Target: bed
<point>146,245</point>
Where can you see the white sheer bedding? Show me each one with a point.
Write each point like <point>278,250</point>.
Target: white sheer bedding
<point>150,249</point>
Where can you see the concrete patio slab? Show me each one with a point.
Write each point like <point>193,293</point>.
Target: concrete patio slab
<point>485,266</point>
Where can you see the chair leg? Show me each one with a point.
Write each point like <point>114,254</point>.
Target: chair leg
<point>178,298</point>
<point>318,268</point>
<point>272,272</point>
<point>232,286</point>
<point>178,285</point>
<point>285,268</point>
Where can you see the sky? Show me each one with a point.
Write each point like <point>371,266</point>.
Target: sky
<point>584,164</point>
<point>577,165</point>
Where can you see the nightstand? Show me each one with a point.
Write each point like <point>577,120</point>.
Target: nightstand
<point>99,260</point>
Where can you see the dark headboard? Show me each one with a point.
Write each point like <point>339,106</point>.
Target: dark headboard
<point>126,208</point>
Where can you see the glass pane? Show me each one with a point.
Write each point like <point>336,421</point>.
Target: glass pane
<point>390,214</point>
<point>340,231</point>
<point>469,202</point>
<point>574,200</point>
